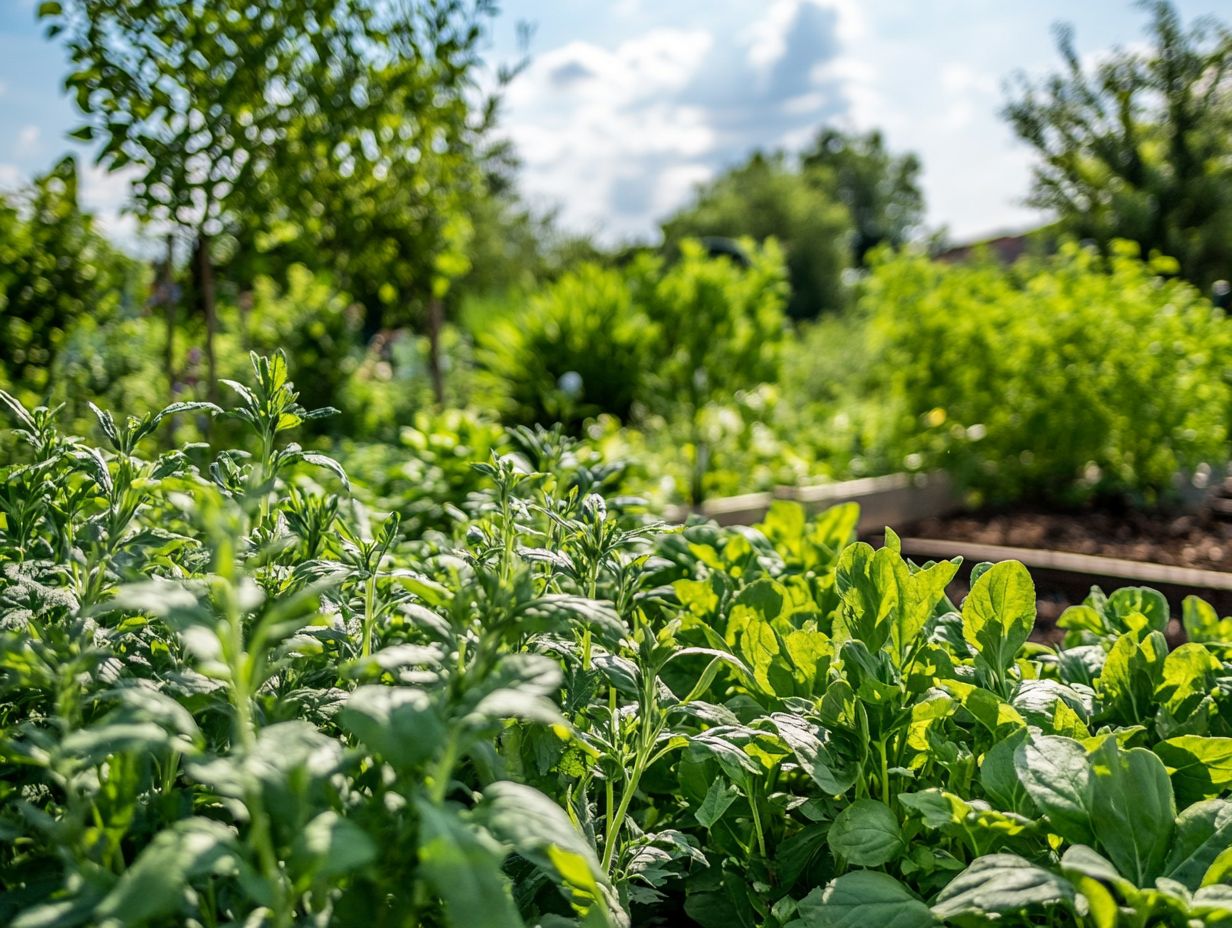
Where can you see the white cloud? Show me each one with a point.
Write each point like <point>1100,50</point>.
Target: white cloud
<point>11,178</point>
<point>769,36</point>
<point>28,139</point>
<point>619,136</point>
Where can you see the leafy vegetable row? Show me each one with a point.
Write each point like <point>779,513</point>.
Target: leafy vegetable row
<point>229,695</point>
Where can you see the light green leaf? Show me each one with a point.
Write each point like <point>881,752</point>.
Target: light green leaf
<point>540,831</point>
<point>1131,675</point>
<point>1139,600</point>
<point>999,613</point>
<point>1201,767</point>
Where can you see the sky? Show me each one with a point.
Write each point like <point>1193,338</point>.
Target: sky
<point>626,105</point>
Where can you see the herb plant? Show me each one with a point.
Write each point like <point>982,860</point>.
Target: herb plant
<point>233,693</point>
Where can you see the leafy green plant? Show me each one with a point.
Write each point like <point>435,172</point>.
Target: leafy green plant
<point>1094,377</point>
<point>231,692</point>
<point>579,348</point>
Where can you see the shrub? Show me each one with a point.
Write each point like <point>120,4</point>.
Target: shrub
<point>55,270</point>
<point>305,316</point>
<point>578,348</point>
<point>1060,378</point>
<point>719,326</point>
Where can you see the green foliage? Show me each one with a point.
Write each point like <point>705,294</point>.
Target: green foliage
<point>719,326</point>
<point>765,199</point>
<point>648,337</point>
<point>1060,378</point>
<point>1132,146</point>
<point>306,317</point>
<point>580,347</point>
<point>57,273</point>
<point>229,695</point>
<point>880,190</point>
<point>337,128</point>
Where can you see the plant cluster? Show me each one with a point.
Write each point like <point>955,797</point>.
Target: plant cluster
<point>58,277</point>
<point>1071,376</point>
<point>228,696</point>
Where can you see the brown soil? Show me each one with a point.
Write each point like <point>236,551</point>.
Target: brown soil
<point>1189,540</point>
<point>1179,540</point>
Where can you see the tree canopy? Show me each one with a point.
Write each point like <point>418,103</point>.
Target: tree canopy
<point>766,198</point>
<point>881,190</point>
<point>1138,145</point>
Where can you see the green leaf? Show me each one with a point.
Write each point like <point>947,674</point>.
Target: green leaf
<point>999,613</point>
<point>813,754</point>
<point>1210,901</point>
<point>936,807</point>
<point>324,460</point>
<point>463,867</point>
<point>1188,675</point>
<point>330,845</point>
<point>1131,675</point>
<point>920,593</point>
<point>1056,773</point>
<point>1203,832</point>
<point>866,583</point>
<point>1081,860</point>
<point>863,899</point>
<point>1001,884</point>
<point>399,723</point>
<point>1201,767</point>
<point>866,834</point>
<point>1133,811</point>
<point>1129,601</point>
<point>719,798</point>
<point>156,883</point>
<point>540,831</point>
<point>1202,622</point>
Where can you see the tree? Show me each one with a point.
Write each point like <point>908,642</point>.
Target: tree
<point>231,112</point>
<point>880,190</point>
<point>764,198</point>
<point>386,203</point>
<point>1138,145</point>
<point>54,268</point>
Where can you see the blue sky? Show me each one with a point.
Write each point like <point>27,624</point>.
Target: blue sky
<point>628,104</point>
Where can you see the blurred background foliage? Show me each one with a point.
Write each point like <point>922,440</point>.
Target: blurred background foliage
<point>797,322</point>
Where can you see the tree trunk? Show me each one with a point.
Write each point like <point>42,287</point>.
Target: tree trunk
<point>205,284</point>
<point>166,295</point>
<point>436,321</point>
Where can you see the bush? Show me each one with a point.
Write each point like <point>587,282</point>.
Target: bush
<point>646,337</point>
<point>1059,378</point>
<point>55,270</point>
<point>719,326</point>
<point>579,348</point>
<point>305,316</point>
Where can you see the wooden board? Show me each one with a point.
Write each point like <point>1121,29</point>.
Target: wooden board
<point>1137,572</point>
